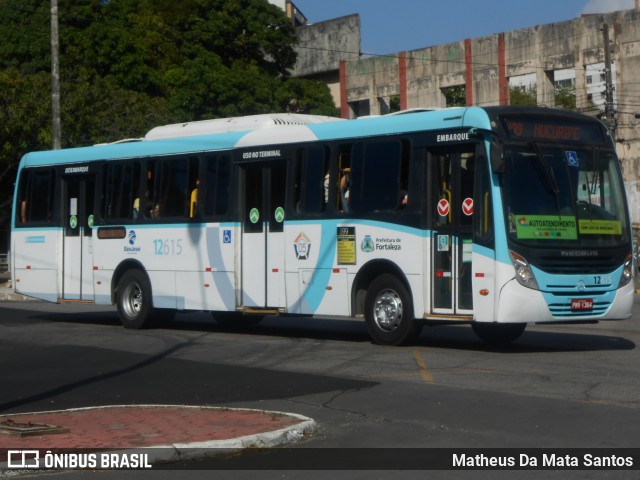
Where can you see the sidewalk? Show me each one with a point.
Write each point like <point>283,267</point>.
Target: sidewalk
<point>174,432</point>
<point>7,293</point>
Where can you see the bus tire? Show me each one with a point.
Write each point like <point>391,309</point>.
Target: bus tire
<point>388,312</point>
<point>498,334</point>
<point>133,299</point>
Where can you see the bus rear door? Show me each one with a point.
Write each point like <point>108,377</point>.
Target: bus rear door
<point>263,235</point>
<point>78,197</point>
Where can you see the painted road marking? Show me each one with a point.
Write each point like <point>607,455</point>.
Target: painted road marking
<point>424,371</point>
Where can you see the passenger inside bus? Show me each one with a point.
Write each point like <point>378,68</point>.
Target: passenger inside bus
<point>154,212</point>
<point>326,187</point>
<point>345,185</point>
<point>404,199</point>
<point>148,206</point>
<point>194,200</point>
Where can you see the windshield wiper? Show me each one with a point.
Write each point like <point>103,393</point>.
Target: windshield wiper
<point>593,182</point>
<point>548,176</point>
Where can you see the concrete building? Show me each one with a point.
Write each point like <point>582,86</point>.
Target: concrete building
<point>323,46</point>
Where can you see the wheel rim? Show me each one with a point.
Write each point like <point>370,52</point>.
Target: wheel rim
<point>387,310</point>
<point>132,300</point>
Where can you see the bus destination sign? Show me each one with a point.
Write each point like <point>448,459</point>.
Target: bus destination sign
<point>545,129</point>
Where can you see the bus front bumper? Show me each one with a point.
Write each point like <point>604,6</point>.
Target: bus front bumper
<point>518,304</point>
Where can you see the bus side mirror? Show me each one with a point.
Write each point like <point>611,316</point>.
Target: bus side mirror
<point>497,160</point>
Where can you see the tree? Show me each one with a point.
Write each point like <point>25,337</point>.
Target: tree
<point>455,96</point>
<point>299,95</point>
<point>565,97</point>
<point>525,96</point>
<point>129,65</point>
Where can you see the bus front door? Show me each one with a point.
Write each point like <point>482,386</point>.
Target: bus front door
<point>263,276</point>
<point>452,170</point>
<point>77,277</point>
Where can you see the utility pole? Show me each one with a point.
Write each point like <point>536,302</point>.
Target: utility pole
<point>609,107</point>
<point>55,77</point>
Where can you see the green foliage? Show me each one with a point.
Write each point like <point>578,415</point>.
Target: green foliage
<point>394,104</point>
<point>103,112</point>
<point>525,96</point>
<point>455,96</point>
<point>25,35</point>
<point>298,95</point>
<point>565,97</point>
<point>129,65</point>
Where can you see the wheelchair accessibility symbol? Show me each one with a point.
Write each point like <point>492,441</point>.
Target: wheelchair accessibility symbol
<point>572,159</point>
<point>226,236</point>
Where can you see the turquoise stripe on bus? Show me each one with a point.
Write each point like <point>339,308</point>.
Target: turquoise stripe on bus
<point>133,149</point>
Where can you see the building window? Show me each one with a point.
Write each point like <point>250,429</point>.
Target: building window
<point>455,96</point>
<point>360,108</point>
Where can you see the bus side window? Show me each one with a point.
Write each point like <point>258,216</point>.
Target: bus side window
<point>36,196</point>
<point>151,187</point>
<point>170,183</point>
<point>193,201</point>
<point>23,212</point>
<point>193,184</point>
<point>403,194</point>
<point>217,180</point>
<point>374,179</point>
<point>344,181</point>
<point>311,193</point>
<point>120,191</point>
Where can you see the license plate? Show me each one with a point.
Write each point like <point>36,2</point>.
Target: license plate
<point>580,304</point>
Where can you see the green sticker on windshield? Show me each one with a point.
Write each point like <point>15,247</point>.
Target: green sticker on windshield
<point>600,227</point>
<point>546,227</point>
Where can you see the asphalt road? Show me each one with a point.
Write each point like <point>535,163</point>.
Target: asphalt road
<point>573,386</point>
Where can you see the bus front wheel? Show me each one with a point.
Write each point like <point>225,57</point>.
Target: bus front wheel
<point>498,333</point>
<point>389,312</point>
<point>133,299</point>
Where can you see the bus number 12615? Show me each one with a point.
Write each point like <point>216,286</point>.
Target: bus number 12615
<point>167,247</point>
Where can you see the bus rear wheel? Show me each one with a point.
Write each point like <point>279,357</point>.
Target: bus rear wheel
<point>498,334</point>
<point>388,312</point>
<point>133,299</point>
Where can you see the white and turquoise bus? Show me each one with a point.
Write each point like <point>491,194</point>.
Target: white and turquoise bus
<point>496,217</point>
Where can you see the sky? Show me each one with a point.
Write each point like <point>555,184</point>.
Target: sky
<point>392,26</point>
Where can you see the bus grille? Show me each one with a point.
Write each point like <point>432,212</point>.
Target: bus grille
<point>577,266</point>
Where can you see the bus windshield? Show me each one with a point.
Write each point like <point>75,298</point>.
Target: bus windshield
<point>564,196</point>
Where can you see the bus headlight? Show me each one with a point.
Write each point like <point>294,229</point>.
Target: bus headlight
<point>627,271</point>
<point>524,274</point>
